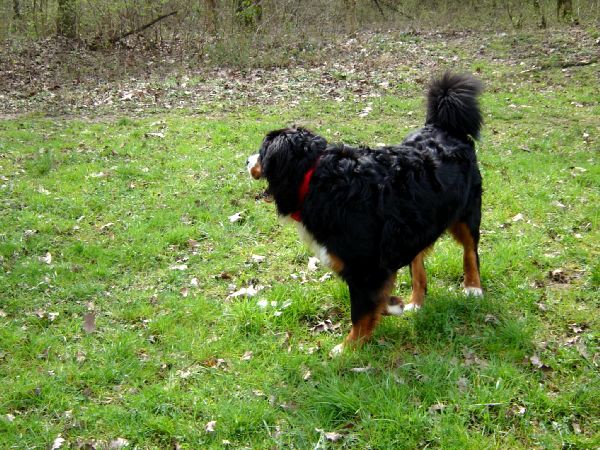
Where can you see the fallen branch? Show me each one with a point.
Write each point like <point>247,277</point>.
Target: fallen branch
<point>96,42</point>
<point>116,39</point>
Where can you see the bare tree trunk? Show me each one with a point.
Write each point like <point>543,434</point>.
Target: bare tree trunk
<point>249,12</point>
<point>17,9</point>
<point>350,13</point>
<point>566,6</point>
<point>515,21</point>
<point>210,16</point>
<point>66,22</point>
<point>539,13</point>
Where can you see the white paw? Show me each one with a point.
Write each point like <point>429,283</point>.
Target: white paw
<point>337,350</point>
<point>395,310</point>
<point>412,307</point>
<point>473,292</point>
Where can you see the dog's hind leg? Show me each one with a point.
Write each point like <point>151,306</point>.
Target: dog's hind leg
<point>468,236</point>
<point>419,281</point>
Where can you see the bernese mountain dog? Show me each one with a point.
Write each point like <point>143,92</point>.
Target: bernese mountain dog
<point>368,212</point>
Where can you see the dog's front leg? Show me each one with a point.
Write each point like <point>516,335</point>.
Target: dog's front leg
<point>367,305</point>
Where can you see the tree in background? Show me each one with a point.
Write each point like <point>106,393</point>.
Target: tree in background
<point>66,21</point>
<point>249,12</point>
<point>564,10</point>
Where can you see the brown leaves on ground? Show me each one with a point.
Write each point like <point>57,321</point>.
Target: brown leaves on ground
<point>68,80</point>
<point>325,326</point>
<point>89,322</point>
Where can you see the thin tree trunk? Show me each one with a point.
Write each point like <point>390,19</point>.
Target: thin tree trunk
<point>350,13</point>
<point>566,6</point>
<point>538,11</point>
<point>210,16</point>
<point>66,23</point>
<point>16,9</point>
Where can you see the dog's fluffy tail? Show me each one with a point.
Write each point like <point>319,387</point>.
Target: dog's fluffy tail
<point>452,104</point>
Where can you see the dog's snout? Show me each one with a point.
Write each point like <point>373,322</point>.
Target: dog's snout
<point>253,166</point>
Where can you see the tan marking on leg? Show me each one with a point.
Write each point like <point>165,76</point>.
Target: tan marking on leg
<point>461,233</point>
<point>335,263</point>
<point>363,329</point>
<point>419,280</point>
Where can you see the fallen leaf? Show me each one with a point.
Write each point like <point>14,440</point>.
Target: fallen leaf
<point>192,243</point>
<point>324,326</point>
<point>210,426</point>
<point>237,216</point>
<point>312,263</point>
<point>247,356</point>
<point>307,375</point>
<point>118,443</point>
<point>325,277</point>
<point>184,292</point>
<point>576,328</point>
<point>106,226</point>
<point>436,408</point>
<point>516,410</point>
<point>250,291</point>
<point>538,364</point>
<point>490,318</point>
<point>58,443</point>
<point>517,218</point>
<point>333,436</point>
<point>258,258</point>
<point>89,322</point>
<point>47,258</point>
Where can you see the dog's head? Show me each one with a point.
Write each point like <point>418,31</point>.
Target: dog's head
<point>284,157</point>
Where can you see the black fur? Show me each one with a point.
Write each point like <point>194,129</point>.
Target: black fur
<point>376,209</point>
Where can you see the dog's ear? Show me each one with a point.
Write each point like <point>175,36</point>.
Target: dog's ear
<point>277,155</point>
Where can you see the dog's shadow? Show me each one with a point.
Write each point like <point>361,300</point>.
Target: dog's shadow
<point>448,321</point>
<point>452,352</point>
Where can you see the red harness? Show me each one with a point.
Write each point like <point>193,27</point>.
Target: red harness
<point>297,215</point>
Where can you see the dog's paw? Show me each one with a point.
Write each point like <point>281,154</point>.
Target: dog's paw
<point>395,307</point>
<point>337,350</point>
<point>473,292</point>
<point>412,307</point>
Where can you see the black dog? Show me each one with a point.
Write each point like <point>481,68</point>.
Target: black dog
<point>368,212</point>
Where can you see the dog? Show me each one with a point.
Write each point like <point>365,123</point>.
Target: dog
<point>368,212</point>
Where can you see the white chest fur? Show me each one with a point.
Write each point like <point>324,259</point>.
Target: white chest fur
<point>319,250</point>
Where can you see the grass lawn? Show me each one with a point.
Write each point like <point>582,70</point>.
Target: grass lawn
<point>118,261</point>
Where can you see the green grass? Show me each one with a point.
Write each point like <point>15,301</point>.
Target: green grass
<point>116,208</point>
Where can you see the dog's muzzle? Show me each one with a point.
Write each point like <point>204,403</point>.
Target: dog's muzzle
<point>254,167</point>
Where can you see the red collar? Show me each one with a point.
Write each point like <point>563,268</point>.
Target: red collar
<point>297,215</point>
